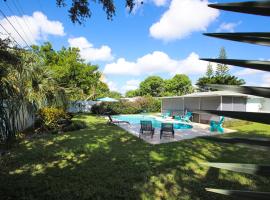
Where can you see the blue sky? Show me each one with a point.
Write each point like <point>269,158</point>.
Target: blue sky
<point>161,37</point>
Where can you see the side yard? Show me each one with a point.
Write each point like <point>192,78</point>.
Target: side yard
<point>105,162</point>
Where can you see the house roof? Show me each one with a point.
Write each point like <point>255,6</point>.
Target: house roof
<point>211,94</point>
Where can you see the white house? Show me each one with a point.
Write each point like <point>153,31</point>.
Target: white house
<point>216,100</point>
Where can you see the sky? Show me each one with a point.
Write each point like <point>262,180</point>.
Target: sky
<point>160,37</point>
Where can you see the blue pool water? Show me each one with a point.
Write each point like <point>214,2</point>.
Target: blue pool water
<point>136,119</point>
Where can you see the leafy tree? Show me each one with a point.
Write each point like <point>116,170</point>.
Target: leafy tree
<point>222,75</point>
<point>102,90</point>
<point>115,94</point>
<point>25,84</point>
<point>222,69</point>
<point>133,93</point>
<point>225,80</point>
<point>179,85</point>
<point>80,9</point>
<point>209,71</point>
<point>79,79</point>
<point>153,86</point>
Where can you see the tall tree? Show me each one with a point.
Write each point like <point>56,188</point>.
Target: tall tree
<point>153,86</point>
<point>209,71</point>
<point>224,80</point>
<point>79,79</point>
<point>133,93</point>
<point>222,69</point>
<point>179,85</point>
<point>115,94</point>
<point>222,75</point>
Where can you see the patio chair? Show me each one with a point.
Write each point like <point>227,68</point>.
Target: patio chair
<point>167,128</point>
<point>217,126</point>
<point>146,126</point>
<point>111,121</point>
<point>186,117</point>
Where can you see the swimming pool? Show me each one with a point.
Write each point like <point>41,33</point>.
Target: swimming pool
<point>156,122</point>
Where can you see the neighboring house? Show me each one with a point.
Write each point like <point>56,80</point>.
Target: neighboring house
<point>81,106</point>
<point>216,100</point>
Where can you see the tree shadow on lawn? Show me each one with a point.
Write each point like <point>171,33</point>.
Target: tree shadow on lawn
<point>105,162</point>
<point>261,143</point>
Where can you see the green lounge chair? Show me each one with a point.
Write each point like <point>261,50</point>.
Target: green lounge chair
<point>217,126</point>
<point>168,128</point>
<point>146,126</point>
<point>111,121</point>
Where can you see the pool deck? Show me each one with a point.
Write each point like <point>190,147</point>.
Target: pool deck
<point>198,130</point>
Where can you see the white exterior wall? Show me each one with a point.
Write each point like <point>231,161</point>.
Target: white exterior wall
<point>254,104</point>
<point>266,105</point>
<point>172,104</point>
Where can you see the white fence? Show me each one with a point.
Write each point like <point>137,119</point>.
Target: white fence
<point>81,106</point>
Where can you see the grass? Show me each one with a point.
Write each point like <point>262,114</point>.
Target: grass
<point>105,162</point>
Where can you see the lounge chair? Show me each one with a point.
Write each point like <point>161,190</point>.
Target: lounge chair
<point>111,121</point>
<point>217,126</point>
<point>146,126</point>
<point>167,128</point>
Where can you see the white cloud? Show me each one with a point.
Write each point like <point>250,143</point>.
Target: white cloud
<point>157,62</point>
<point>88,52</point>
<point>245,72</point>
<point>130,85</point>
<point>266,80</point>
<point>31,28</point>
<point>112,85</point>
<point>182,18</point>
<point>138,4</point>
<point>160,2</point>
<point>230,27</point>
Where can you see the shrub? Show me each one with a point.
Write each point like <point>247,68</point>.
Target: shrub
<point>49,117</point>
<point>149,104</point>
<point>144,104</point>
<point>115,108</point>
<point>75,125</point>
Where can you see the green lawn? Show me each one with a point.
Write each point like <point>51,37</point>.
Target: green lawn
<point>105,162</point>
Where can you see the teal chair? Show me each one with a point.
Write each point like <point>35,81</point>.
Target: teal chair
<point>217,126</point>
<point>177,117</point>
<point>166,114</point>
<point>186,117</point>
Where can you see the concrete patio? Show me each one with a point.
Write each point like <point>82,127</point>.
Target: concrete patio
<point>198,130</point>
